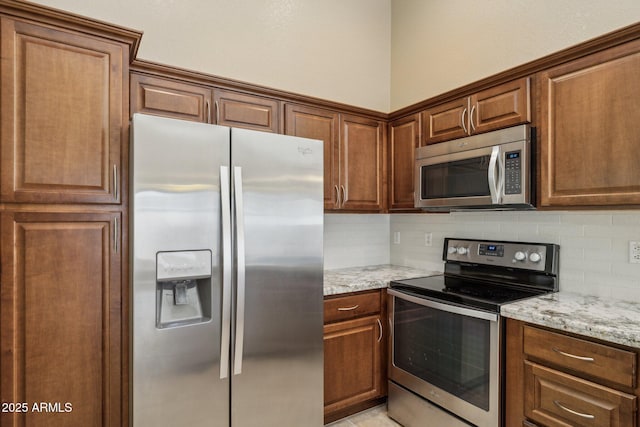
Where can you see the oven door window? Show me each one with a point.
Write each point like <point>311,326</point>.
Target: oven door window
<point>447,350</point>
<point>460,178</point>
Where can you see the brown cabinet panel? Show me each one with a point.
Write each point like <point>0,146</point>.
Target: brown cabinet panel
<point>559,400</point>
<point>589,130</point>
<point>316,123</point>
<point>362,163</point>
<point>498,107</point>
<point>63,118</point>
<point>170,98</point>
<point>61,317</point>
<point>501,106</point>
<point>558,380</point>
<point>351,306</point>
<point>404,138</point>
<point>352,359</point>
<point>246,111</point>
<point>581,356</point>
<point>446,121</point>
<point>354,151</point>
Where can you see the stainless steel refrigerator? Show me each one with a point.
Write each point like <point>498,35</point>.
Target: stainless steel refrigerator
<point>227,238</point>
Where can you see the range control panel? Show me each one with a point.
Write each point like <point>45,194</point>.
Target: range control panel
<point>529,256</point>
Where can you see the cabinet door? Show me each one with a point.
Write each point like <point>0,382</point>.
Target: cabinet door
<point>404,138</point>
<point>63,115</point>
<point>362,165</point>
<point>170,98</point>
<point>319,124</point>
<point>502,106</point>
<point>61,311</point>
<point>558,399</point>
<point>446,121</point>
<point>352,362</point>
<point>246,111</point>
<point>590,130</point>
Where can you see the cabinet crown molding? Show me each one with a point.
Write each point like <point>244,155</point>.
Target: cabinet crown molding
<point>71,21</point>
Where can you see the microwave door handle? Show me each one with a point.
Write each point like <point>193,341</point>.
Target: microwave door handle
<point>502,176</point>
<point>491,175</point>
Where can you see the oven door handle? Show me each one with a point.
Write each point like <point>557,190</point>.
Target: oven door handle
<point>478,314</point>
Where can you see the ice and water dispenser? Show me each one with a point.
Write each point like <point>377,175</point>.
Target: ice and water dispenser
<point>183,288</point>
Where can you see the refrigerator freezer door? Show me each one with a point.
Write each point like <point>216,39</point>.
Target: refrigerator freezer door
<point>279,332</point>
<point>176,207</point>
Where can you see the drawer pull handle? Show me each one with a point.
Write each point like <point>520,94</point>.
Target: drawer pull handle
<point>348,308</point>
<point>571,411</point>
<point>573,356</point>
<point>380,327</point>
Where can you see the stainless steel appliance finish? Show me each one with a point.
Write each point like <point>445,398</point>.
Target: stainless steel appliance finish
<point>410,410</point>
<point>447,334</point>
<point>491,170</point>
<point>227,229</point>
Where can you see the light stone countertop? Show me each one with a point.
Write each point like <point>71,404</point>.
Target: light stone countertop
<point>353,279</point>
<point>602,318</point>
<point>596,317</point>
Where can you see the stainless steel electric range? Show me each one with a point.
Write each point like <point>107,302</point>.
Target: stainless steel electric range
<point>447,343</point>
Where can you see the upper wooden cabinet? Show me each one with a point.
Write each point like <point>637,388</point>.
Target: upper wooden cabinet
<point>246,111</point>
<point>589,130</point>
<point>354,168</point>
<point>498,107</point>
<point>170,98</point>
<point>64,121</point>
<point>404,138</point>
<point>315,123</point>
<point>189,101</point>
<point>362,164</point>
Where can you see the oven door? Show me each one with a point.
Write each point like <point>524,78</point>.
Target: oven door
<point>489,176</point>
<point>447,354</point>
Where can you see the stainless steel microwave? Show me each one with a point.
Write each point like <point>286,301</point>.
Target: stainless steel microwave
<point>493,170</point>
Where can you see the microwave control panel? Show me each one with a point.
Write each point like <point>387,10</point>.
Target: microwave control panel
<point>513,172</point>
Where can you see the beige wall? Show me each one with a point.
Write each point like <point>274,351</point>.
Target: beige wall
<point>331,49</point>
<point>377,54</point>
<point>439,45</point>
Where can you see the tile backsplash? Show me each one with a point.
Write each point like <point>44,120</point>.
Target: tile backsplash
<point>353,240</point>
<point>594,245</point>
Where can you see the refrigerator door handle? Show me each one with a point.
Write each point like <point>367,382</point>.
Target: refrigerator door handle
<point>225,214</point>
<point>240,273</point>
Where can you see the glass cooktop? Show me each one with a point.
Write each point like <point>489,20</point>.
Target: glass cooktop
<point>464,291</point>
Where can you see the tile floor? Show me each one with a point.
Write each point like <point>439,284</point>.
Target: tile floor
<point>374,417</point>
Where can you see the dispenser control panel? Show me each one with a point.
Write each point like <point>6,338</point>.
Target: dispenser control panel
<point>183,265</point>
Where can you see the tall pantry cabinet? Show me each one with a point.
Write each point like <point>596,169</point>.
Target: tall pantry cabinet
<point>63,218</point>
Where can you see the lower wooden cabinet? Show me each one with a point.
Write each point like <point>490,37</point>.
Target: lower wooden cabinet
<point>555,398</point>
<point>558,380</point>
<point>61,341</point>
<point>354,354</point>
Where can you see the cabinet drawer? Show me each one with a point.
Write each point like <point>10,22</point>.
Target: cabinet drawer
<point>583,357</point>
<point>556,399</point>
<point>351,306</point>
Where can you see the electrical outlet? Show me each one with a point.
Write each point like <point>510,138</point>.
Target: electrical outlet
<point>396,237</point>
<point>634,252</point>
<point>428,239</point>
